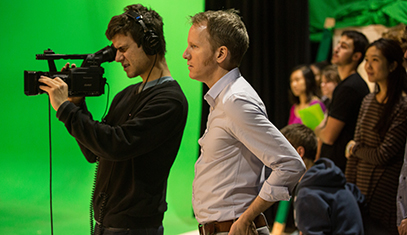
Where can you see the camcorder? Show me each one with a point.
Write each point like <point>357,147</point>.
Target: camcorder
<point>86,80</point>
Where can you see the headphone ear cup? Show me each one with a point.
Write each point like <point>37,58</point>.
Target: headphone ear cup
<point>151,43</point>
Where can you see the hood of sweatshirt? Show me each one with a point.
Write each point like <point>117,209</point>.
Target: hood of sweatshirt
<point>324,173</point>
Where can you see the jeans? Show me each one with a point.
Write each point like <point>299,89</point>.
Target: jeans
<point>122,231</point>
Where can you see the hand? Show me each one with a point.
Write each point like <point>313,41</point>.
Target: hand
<point>66,67</point>
<point>403,227</point>
<point>349,148</point>
<point>76,100</point>
<point>57,90</point>
<point>241,227</point>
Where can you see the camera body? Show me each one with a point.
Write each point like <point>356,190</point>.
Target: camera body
<point>86,80</point>
<point>81,81</point>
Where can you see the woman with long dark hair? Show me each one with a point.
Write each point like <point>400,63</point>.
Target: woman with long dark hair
<point>303,92</point>
<point>376,153</point>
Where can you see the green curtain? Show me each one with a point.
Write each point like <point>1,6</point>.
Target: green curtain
<point>349,13</point>
<point>355,13</point>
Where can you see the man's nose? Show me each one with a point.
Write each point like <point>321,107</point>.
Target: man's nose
<point>336,48</point>
<point>186,54</point>
<point>119,56</point>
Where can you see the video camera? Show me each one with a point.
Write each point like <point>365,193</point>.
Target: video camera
<point>86,80</point>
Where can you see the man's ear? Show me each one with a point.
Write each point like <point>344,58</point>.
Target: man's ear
<point>356,56</point>
<point>301,151</point>
<point>221,54</point>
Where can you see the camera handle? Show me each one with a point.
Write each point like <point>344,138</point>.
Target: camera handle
<point>50,56</point>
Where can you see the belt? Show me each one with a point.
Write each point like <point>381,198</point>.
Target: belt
<point>224,226</point>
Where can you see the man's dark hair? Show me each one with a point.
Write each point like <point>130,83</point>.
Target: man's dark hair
<point>300,135</point>
<point>360,42</point>
<point>225,28</point>
<point>125,24</point>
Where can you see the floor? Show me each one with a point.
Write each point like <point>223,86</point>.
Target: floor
<point>25,199</point>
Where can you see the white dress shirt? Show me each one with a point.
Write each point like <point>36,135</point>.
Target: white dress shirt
<point>239,140</point>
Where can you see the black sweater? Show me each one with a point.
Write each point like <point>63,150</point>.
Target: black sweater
<point>136,145</point>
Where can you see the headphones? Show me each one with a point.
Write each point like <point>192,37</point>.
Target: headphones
<point>150,42</point>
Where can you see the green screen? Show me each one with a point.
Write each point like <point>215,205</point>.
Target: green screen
<point>76,27</point>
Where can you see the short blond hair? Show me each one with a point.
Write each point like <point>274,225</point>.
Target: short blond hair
<point>225,28</point>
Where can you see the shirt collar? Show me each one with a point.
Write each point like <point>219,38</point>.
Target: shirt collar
<point>218,87</point>
<point>157,82</point>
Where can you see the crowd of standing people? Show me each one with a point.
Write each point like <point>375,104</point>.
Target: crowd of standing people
<point>364,133</point>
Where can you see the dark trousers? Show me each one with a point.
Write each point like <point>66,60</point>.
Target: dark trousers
<point>122,231</point>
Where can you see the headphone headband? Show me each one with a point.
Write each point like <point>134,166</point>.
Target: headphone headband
<point>138,18</point>
<point>150,41</point>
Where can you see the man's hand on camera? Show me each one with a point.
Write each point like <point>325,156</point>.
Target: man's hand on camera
<point>57,90</point>
<point>75,100</point>
<point>66,67</point>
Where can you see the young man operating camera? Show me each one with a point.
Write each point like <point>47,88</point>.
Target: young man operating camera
<point>136,144</point>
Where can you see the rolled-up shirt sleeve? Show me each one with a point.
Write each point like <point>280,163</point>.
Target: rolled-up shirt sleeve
<point>238,142</point>
<point>250,124</point>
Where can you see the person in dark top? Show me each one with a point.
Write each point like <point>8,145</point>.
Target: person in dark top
<point>136,144</point>
<point>324,203</point>
<point>377,150</point>
<point>339,127</point>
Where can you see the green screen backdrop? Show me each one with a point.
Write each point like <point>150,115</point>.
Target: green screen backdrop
<point>76,27</point>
